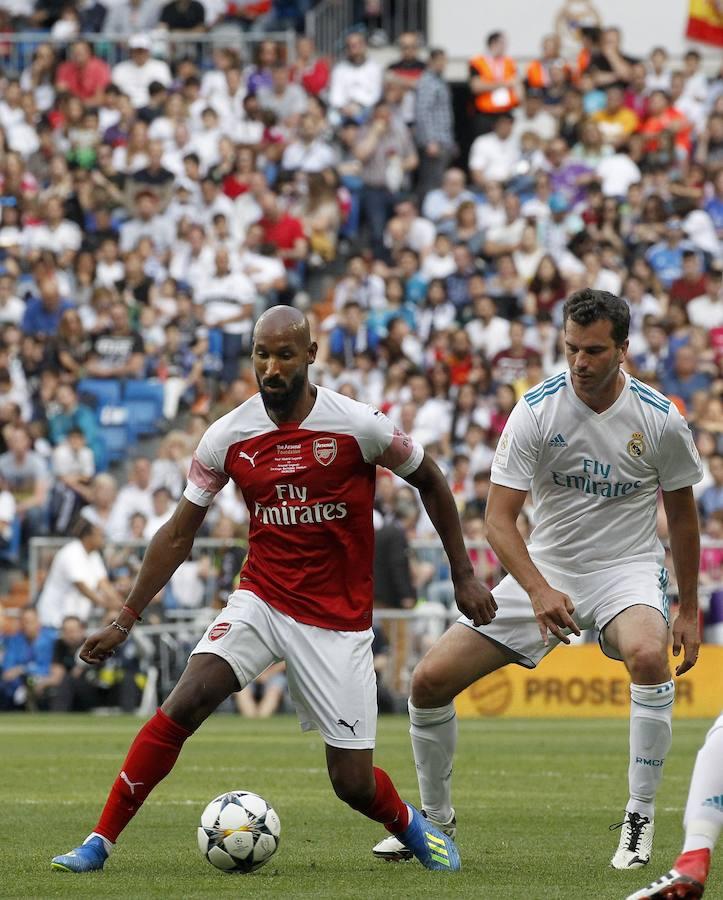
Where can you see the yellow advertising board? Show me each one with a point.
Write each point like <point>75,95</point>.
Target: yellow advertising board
<point>581,682</point>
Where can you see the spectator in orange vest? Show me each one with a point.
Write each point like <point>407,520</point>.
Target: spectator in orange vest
<point>493,83</point>
<point>664,128</point>
<point>540,71</point>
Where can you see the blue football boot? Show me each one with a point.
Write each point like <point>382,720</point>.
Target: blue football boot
<point>432,847</point>
<point>89,857</point>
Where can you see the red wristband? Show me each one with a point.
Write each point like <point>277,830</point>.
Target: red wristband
<point>133,613</point>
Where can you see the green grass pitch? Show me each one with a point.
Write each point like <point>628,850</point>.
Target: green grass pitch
<point>534,800</point>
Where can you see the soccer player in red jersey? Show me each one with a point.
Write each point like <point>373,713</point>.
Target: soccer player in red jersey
<point>305,459</point>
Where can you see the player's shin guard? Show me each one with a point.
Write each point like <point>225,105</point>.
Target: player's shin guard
<point>704,811</point>
<point>434,740</point>
<point>387,806</point>
<point>651,734</point>
<point>150,758</point>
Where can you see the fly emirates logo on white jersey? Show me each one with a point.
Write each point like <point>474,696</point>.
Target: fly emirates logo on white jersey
<point>596,480</point>
<point>295,508</point>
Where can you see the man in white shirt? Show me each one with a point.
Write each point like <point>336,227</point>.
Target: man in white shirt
<point>77,583</point>
<point>506,238</point>
<point>135,496</point>
<point>12,307</point>
<point>356,81</point>
<point>408,229</point>
<point>532,116</point>
<point>212,202</point>
<point>264,269</point>
<point>487,331</point>
<point>494,156</point>
<point>229,301</point>
<point>707,310</point>
<point>594,446</point>
<point>163,508</point>
<point>309,152</point>
<point>147,223</point>
<point>433,416</point>
<point>247,206</point>
<point>192,261</point>
<point>134,75</point>
<point>441,204</point>
<point>288,101</point>
<point>617,173</point>
<point>58,234</point>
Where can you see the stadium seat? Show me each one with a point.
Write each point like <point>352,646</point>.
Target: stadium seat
<point>116,439</point>
<point>148,391</point>
<point>103,391</point>
<point>142,417</point>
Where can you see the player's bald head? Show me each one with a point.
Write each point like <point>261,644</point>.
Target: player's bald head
<point>283,323</point>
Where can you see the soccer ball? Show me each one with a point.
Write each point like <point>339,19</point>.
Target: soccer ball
<point>239,832</point>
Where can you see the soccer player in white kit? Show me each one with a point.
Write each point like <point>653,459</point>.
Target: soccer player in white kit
<point>305,459</point>
<point>593,446</point>
<point>703,823</point>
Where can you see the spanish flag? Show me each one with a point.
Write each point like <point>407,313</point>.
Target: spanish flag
<point>705,22</point>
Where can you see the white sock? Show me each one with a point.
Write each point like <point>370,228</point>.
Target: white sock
<point>704,811</point>
<point>651,734</point>
<point>434,739</point>
<point>106,843</point>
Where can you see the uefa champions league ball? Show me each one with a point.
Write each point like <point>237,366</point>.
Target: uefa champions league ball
<point>239,832</point>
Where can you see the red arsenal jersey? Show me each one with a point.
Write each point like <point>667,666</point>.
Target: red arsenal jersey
<point>309,488</point>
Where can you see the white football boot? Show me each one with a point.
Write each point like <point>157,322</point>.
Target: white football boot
<point>392,849</point>
<point>636,842</point>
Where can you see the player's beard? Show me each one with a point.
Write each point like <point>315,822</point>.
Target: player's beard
<point>282,402</point>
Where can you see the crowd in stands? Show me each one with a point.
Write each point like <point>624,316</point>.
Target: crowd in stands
<point>152,209</point>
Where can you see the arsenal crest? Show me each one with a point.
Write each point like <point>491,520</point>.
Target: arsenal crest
<point>219,630</point>
<point>324,450</point>
<point>636,445</point>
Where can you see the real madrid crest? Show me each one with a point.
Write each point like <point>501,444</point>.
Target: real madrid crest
<point>636,445</point>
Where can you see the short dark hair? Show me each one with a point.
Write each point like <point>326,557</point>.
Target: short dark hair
<point>82,528</point>
<point>587,306</point>
<point>493,36</point>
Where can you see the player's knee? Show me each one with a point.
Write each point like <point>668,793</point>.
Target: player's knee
<point>648,664</point>
<point>353,788</point>
<point>187,715</point>
<point>190,706</point>
<point>429,687</point>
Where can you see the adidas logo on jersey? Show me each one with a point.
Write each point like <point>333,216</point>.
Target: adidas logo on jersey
<point>557,441</point>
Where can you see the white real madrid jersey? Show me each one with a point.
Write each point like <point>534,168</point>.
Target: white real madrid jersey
<point>594,477</point>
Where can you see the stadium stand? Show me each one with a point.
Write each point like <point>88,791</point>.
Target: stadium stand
<point>159,190</point>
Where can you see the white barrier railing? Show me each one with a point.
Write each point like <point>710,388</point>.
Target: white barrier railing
<point>330,20</point>
<point>16,49</point>
<point>409,632</point>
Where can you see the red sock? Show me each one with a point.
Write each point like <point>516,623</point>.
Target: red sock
<point>151,757</point>
<point>694,863</point>
<point>387,806</point>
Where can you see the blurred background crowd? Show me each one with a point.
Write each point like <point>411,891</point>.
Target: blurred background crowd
<point>159,191</point>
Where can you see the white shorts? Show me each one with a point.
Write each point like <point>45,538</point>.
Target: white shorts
<point>330,673</point>
<point>598,598</point>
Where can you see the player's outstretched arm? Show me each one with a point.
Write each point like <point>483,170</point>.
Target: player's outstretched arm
<point>472,598</point>
<point>553,609</point>
<point>684,531</point>
<point>168,548</point>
